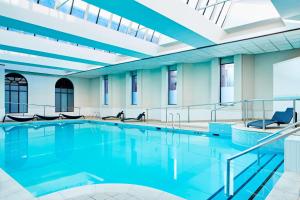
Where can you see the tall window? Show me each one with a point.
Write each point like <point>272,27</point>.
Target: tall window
<point>64,96</point>
<point>16,93</point>
<point>134,88</point>
<point>172,86</point>
<point>227,80</point>
<point>105,90</point>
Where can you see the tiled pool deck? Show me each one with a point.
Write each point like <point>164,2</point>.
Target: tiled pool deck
<point>11,189</point>
<point>287,187</point>
<point>110,192</point>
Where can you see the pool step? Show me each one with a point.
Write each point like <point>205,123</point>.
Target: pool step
<point>249,183</point>
<point>255,185</point>
<point>263,193</point>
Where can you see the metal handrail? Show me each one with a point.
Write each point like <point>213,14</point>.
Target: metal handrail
<point>40,105</point>
<point>215,111</point>
<point>172,115</point>
<point>230,103</point>
<point>230,191</point>
<point>277,132</point>
<point>244,108</point>
<point>179,120</point>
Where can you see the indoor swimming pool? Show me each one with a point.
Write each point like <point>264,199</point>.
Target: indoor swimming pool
<point>48,157</point>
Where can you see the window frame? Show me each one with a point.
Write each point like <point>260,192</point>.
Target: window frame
<point>225,61</point>
<point>133,81</point>
<point>170,70</point>
<point>10,90</point>
<point>105,90</point>
<point>69,91</point>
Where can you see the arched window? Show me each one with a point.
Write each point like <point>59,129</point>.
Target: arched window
<point>64,96</point>
<point>16,93</point>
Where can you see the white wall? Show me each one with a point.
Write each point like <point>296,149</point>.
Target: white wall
<point>198,83</point>
<point>286,81</point>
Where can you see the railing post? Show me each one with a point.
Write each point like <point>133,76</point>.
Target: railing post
<point>227,176</point>
<point>244,111</point>
<point>179,120</point>
<point>44,110</point>
<point>166,115</point>
<point>294,110</point>
<point>215,115</point>
<point>188,114</point>
<point>264,114</point>
<point>147,111</point>
<point>247,112</point>
<point>172,115</point>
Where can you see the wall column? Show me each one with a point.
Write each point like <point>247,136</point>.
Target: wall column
<point>164,86</point>
<point>215,80</point>
<point>2,93</point>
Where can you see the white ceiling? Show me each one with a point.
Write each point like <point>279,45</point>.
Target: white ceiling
<point>263,44</point>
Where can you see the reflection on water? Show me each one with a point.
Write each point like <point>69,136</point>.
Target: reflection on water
<point>52,157</point>
<point>16,146</point>
<point>64,141</point>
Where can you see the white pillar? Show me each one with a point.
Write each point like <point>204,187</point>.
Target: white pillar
<point>180,81</point>
<point>2,93</point>
<point>164,86</point>
<point>292,154</point>
<point>215,81</point>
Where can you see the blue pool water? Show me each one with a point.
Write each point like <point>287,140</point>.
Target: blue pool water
<point>45,158</point>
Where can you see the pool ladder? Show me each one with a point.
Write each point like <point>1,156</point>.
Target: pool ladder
<point>172,118</point>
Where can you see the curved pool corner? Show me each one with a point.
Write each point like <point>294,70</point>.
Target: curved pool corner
<point>112,192</point>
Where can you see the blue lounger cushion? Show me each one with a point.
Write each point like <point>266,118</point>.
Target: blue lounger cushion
<point>278,118</point>
<point>259,123</point>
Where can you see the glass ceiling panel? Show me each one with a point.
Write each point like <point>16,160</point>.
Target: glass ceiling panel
<point>209,10</point>
<point>141,32</point>
<point>83,10</point>
<point>79,8</point>
<point>214,10</point>
<point>133,29</point>
<point>223,13</point>
<point>116,20</point>
<point>47,3</point>
<point>93,13</point>
<point>193,3</point>
<point>125,23</point>
<point>65,6</point>
<point>156,37</point>
<point>104,17</point>
<point>202,4</point>
<point>149,35</point>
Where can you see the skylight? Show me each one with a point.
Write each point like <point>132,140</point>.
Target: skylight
<point>83,10</point>
<point>214,10</point>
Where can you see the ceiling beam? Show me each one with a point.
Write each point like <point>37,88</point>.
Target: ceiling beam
<point>42,62</point>
<point>33,45</point>
<point>172,18</point>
